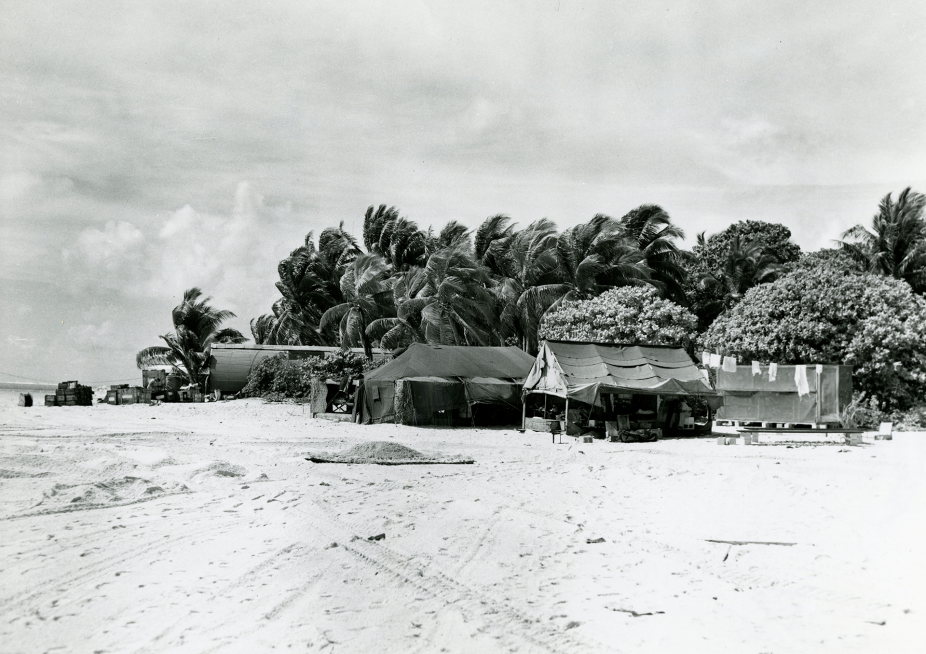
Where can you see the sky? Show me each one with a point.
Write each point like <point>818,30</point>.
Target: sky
<point>146,148</point>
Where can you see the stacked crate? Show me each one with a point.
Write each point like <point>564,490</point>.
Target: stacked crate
<point>125,394</point>
<point>71,393</point>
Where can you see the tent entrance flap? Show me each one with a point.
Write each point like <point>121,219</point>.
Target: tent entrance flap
<point>490,390</point>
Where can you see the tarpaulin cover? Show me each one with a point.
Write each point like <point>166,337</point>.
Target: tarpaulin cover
<point>751,397</point>
<point>444,378</point>
<point>421,360</point>
<point>584,371</point>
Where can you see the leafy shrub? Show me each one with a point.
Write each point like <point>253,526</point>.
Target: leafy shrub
<point>279,377</point>
<point>826,315</point>
<point>630,314</point>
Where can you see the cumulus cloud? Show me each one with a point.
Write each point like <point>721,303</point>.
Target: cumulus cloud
<point>231,256</point>
<point>117,248</point>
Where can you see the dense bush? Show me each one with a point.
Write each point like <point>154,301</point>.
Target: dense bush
<point>712,256</point>
<point>630,314</point>
<point>864,413</point>
<point>825,315</point>
<point>281,377</point>
<point>776,239</point>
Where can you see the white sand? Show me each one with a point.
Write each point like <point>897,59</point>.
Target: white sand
<point>200,528</point>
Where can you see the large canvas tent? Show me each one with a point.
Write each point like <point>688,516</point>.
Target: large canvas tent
<point>586,371</point>
<point>755,398</point>
<point>436,383</point>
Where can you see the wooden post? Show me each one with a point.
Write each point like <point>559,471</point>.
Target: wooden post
<point>819,400</point>
<point>566,417</point>
<point>524,413</point>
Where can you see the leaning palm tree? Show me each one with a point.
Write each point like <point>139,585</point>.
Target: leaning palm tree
<point>523,260</point>
<point>403,329</point>
<point>895,244</point>
<point>310,285</point>
<point>452,234</point>
<point>454,303</point>
<point>651,228</point>
<point>590,258</point>
<point>491,241</point>
<point>262,328</point>
<point>197,326</point>
<point>367,295</point>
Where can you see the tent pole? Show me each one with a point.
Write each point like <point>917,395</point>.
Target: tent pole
<point>819,398</point>
<point>566,426</point>
<point>524,413</point>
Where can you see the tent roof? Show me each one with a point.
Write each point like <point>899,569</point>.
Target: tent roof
<point>584,370</point>
<point>421,360</point>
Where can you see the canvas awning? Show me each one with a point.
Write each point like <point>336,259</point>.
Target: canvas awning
<point>585,371</point>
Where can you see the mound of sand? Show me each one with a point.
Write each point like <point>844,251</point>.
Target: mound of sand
<point>382,450</point>
<point>382,453</point>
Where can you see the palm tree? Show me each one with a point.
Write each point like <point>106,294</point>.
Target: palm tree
<point>523,260</point>
<point>895,244</point>
<point>196,327</point>
<point>651,228</point>
<point>492,240</point>
<point>590,258</point>
<point>402,244</point>
<point>374,221</point>
<point>746,265</point>
<point>452,299</point>
<point>262,327</point>
<point>397,240</point>
<point>404,328</point>
<point>451,235</point>
<point>310,285</point>
<point>367,295</point>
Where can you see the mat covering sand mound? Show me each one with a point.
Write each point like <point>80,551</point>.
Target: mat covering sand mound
<point>383,453</point>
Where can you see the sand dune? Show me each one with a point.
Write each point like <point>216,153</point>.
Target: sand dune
<point>204,529</point>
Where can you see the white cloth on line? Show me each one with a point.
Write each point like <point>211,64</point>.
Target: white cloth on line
<point>800,379</point>
<point>772,371</point>
<point>819,368</point>
<point>756,368</point>
<point>715,361</point>
<point>706,375</point>
<point>729,364</point>
<point>705,358</point>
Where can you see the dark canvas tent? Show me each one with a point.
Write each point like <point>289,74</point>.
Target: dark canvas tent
<point>435,382</point>
<point>585,371</point>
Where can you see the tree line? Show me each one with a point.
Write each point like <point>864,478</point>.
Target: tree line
<point>400,284</point>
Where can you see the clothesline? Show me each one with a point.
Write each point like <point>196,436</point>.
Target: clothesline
<point>729,364</point>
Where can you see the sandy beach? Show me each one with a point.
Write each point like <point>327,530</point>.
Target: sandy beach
<point>202,528</point>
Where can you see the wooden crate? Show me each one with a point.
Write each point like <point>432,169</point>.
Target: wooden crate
<point>543,425</point>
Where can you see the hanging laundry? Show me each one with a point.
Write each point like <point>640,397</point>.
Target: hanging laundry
<point>715,361</point>
<point>705,358</point>
<point>756,368</point>
<point>772,371</point>
<point>819,368</point>
<point>706,375</point>
<point>800,379</point>
<point>729,364</point>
